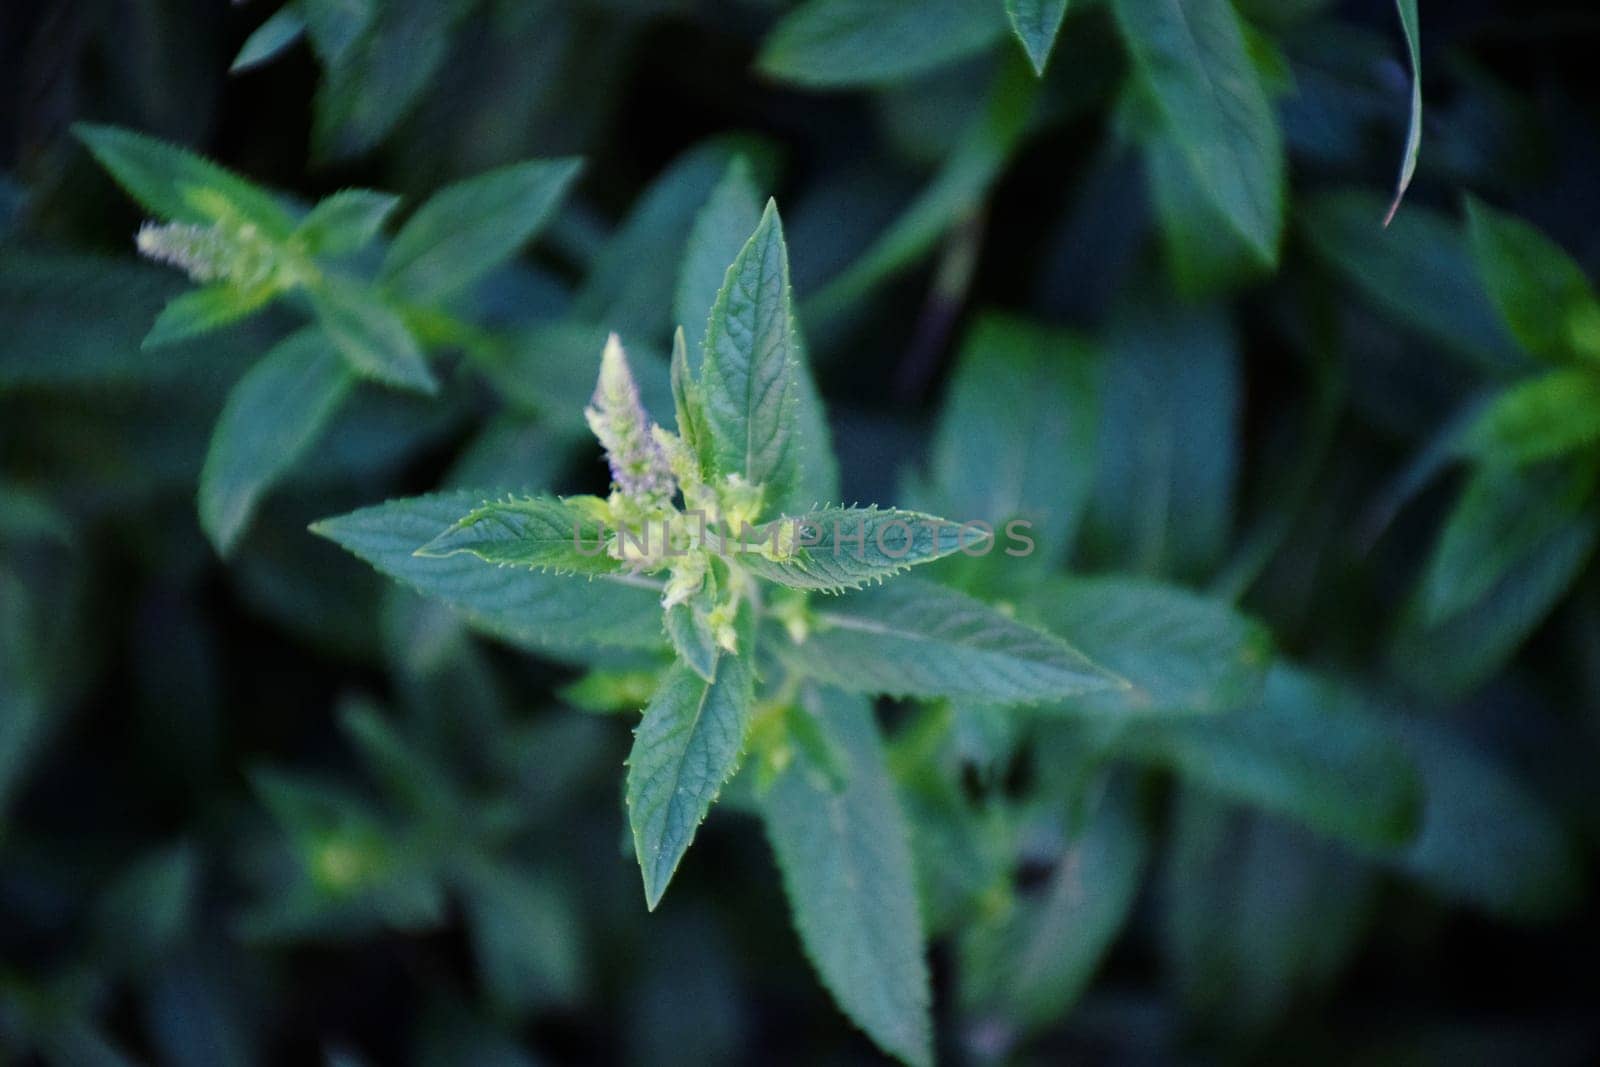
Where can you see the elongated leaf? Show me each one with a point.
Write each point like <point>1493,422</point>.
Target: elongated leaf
<point>1036,23</point>
<point>203,310</point>
<point>688,627</point>
<point>467,229</point>
<point>541,611</point>
<point>1311,752</point>
<point>1032,965</point>
<point>377,59</point>
<point>847,548</point>
<point>748,375</point>
<point>842,43</point>
<point>1411,26</point>
<point>1193,60</point>
<point>1542,418</point>
<point>720,231</point>
<point>272,37</point>
<point>1542,295</point>
<point>178,185</point>
<point>1183,653</point>
<point>913,638</point>
<point>272,416</point>
<point>541,533</point>
<point>371,336</point>
<point>847,873</point>
<point>347,220</point>
<point>687,747</point>
<point>1018,431</point>
<point>1504,517</point>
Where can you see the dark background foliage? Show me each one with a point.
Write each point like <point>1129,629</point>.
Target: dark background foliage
<point>162,698</point>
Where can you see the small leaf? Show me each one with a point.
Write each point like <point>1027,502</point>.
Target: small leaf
<point>371,336</point>
<point>847,548</point>
<point>539,611</point>
<point>1036,23</point>
<point>203,310</point>
<point>841,43</point>
<point>271,38</point>
<point>466,230</point>
<point>178,185</point>
<point>346,221</point>
<point>1192,59</point>
<point>1543,296</point>
<point>914,638</point>
<point>273,415</point>
<point>540,533</point>
<point>847,873</point>
<point>689,629</point>
<point>748,374</point>
<point>687,747</point>
<point>1411,26</point>
<point>721,229</point>
<point>1540,419</point>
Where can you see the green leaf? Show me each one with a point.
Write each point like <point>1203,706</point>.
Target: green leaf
<point>271,38</point>
<point>1504,517</point>
<point>541,533</point>
<point>1017,433</point>
<point>466,230</point>
<point>378,58</point>
<point>371,336</point>
<point>1418,273</point>
<point>1182,652</point>
<point>1204,256</point>
<point>1192,59</point>
<point>273,415</point>
<point>1036,23</point>
<point>178,185</point>
<point>844,43</point>
<point>689,405</point>
<point>688,627</point>
<point>688,745</point>
<point>1029,966</point>
<point>847,873</point>
<point>1312,752</point>
<point>847,548</point>
<point>1542,295</point>
<point>539,611</point>
<point>720,231</point>
<point>336,25</point>
<point>748,374</point>
<point>346,221</point>
<point>203,310</point>
<point>1541,419</point>
<point>1411,26</point>
<point>914,638</point>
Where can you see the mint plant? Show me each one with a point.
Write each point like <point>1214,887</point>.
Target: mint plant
<point>725,522</point>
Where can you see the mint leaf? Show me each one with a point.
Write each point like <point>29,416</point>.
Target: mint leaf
<point>539,611</point>
<point>273,415</point>
<point>1542,295</point>
<point>272,37</point>
<point>720,231</point>
<point>466,230</point>
<point>688,627</point>
<point>178,185</point>
<point>1411,26</point>
<point>1036,22</point>
<point>748,373</point>
<point>539,532</point>
<point>346,221</point>
<point>203,310</point>
<point>371,336</point>
<point>687,747</point>
<point>847,873</point>
<point>1192,59</point>
<point>1540,419</point>
<point>914,638</point>
<point>843,43</point>
<point>847,548</point>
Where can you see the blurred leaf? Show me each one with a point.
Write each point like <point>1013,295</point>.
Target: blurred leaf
<point>144,912</point>
<point>540,611</point>
<point>1193,61</point>
<point>1541,418</point>
<point>346,221</point>
<point>914,638</point>
<point>1411,26</point>
<point>271,38</point>
<point>1542,295</point>
<point>467,229</point>
<point>829,44</point>
<point>721,229</point>
<point>526,938</point>
<point>1204,255</point>
<point>1036,22</point>
<point>371,336</point>
<point>847,873</point>
<point>203,310</point>
<point>687,747</point>
<point>274,414</point>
